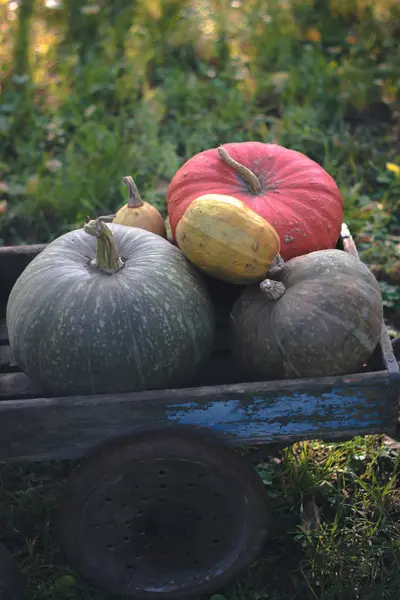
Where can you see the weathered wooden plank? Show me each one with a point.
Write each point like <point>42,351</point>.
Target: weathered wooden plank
<point>3,333</point>
<point>17,385</point>
<point>386,348</point>
<point>347,241</point>
<point>385,353</point>
<point>383,356</point>
<point>7,361</point>
<point>13,260</point>
<point>219,370</point>
<point>331,408</point>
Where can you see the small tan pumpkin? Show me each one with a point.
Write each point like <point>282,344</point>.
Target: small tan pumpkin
<point>137,213</point>
<point>226,239</point>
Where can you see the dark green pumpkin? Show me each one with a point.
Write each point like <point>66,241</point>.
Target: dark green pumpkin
<point>327,322</point>
<point>75,329</point>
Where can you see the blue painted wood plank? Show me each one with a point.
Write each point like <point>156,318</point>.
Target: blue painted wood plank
<point>297,414</point>
<point>330,408</point>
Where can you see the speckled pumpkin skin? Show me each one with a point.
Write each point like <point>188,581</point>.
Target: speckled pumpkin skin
<point>328,322</point>
<point>76,330</point>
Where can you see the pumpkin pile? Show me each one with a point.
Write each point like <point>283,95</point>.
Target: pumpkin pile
<point>116,306</point>
<point>243,212</point>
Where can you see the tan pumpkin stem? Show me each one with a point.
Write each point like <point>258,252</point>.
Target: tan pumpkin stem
<point>273,290</point>
<point>135,199</point>
<point>108,259</point>
<point>241,170</point>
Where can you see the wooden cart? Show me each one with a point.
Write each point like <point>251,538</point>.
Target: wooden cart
<point>163,505</point>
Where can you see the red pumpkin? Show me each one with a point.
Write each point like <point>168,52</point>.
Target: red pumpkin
<point>288,189</point>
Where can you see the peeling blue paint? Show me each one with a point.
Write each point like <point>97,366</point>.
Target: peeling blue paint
<point>297,414</point>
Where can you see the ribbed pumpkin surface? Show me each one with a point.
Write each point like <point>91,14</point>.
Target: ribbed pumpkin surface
<point>328,321</point>
<point>76,330</point>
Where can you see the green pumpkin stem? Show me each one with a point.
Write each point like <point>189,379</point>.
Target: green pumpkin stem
<point>249,177</point>
<point>135,199</point>
<point>108,259</point>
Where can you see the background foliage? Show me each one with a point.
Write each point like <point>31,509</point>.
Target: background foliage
<point>93,92</point>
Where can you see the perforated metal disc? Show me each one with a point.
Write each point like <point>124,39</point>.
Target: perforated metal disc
<point>163,514</point>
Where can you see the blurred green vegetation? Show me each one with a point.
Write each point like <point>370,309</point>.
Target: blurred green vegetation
<point>92,92</point>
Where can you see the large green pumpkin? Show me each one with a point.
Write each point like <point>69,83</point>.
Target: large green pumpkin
<point>326,319</point>
<point>82,320</point>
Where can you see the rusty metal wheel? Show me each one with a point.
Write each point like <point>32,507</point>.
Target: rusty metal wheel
<point>167,513</point>
<point>11,587</point>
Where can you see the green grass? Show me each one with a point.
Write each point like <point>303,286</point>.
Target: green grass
<point>335,528</point>
<point>137,88</point>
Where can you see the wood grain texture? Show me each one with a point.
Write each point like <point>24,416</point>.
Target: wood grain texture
<point>3,333</point>
<point>7,361</point>
<point>347,241</point>
<point>385,354</point>
<point>13,260</point>
<point>330,408</point>
<point>17,385</point>
<point>219,370</point>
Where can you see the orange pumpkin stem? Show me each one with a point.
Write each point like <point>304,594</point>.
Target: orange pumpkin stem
<point>135,199</point>
<point>250,178</point>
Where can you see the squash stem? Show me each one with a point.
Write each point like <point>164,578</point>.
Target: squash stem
<point>107,218</point>
<point>249,177</point>
<point>135,199</point>
<point>108,259</point>
<point>273,290</point>
<point>276,266</point>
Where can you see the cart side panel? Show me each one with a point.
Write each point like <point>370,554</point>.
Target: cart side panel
<point>333,408</point>
<point>383,357</point>
<point>13,260</point>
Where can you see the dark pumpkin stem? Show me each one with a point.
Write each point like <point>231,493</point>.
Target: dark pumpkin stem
<point>273,290</point>
<point>249,177</point>
<point>135,199</point>
<point>108,259</point>
<point>276,266</point>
